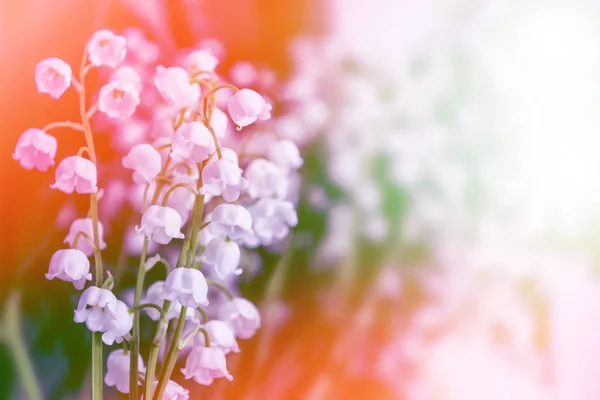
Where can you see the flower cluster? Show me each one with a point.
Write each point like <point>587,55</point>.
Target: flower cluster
<point>194,185</point>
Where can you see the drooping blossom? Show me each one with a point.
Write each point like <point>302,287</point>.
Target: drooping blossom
<point>246,106</point>
<point>121,325</point>
<point>272,219</point>
<point>84,225</point>
<point>174,86</point>
<point>192,141</point>
<point>140,50</point>
<point>53,76</point>
<point>106,48</point>
<point>186,285</point>
<point>161,224</point>
<point>145,161</point>
<point>174,391</point>
<point>242,316</point>
<point>201,60</point>
<point>220,334</point>
<point>230,220</point>
<point>117,370</point>
<point>118,99</point>
<point>266,179</point>
<point>286,155</point>
<point>222,255</point>
<point>126,73</point>
<point>219,122</point>
<point>70,265</point>
<point>154,296</point>
<point>97,308</point>
<point>35,149</point>
<point>76,174</point>
<point>223,177</point>
<point>205,364</point>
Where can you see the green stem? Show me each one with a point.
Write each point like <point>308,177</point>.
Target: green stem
<point>89,142</point>
<point>97,379</point>
<point>13,337</point>
<point>135,340</point>
<point>171,357</point>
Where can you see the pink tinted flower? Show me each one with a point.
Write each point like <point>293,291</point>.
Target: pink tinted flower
<point>223,256</point>
<point>193,141</point>
<point>85,225</point>
<point>272,219</point>
<point>161,224</point>
<point>219,122</point>
<point>214,46</point>
<point>134,242</point>
<point>127,73</point>
<point>266,179</point>
<point>205,364</point>
<point>285,154</point>
<point>106,48</point>
<point>242,316</point>
<point>53,76</point>
<point>174,391</point>
<point>97,308</point>
<point>76,174</point>
<point>117,370</point>
<point>70,265</point>
<point>246,106</point>
<point>201,60</point>
<point>145,161</point>
<point>223,177</point>
<point>174,86</point>
<point>221,336</point>
<point>35,149</point>
<point>230,220</point>
<point>130,132</point>
<point>186,285</point>
<point>243,73</point>
<point>122,325</point>
<point>118,99</point>
<point>139,47</point>
<point>154,296</point>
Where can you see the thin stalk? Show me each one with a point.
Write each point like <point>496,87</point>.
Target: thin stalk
<point>171,357</point>
<point>97,378</point>
<point>97,374</point>
<point>135,340</point>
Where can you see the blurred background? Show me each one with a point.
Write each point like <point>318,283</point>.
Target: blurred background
<point>449,205</point>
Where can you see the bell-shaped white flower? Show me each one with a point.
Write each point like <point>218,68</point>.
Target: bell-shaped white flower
<point>154,296</point>
<point>117,370</point>
<point>242,316</point>
<point>70,265</point>
<point>122,325</point>
<point>220,334</point>
<point>161,224</point>
<point>145,161</point>
<point>186,285</point>
<point>266,179</point>
<point>286,155</point>
<point>84,225</point>
<point>223,177</point>
<point>205,364</point>
<point>222,255</point>
<point>272,219</point>
<point>231,220</point>
<point>192,141</point>
<point>97,308</point>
